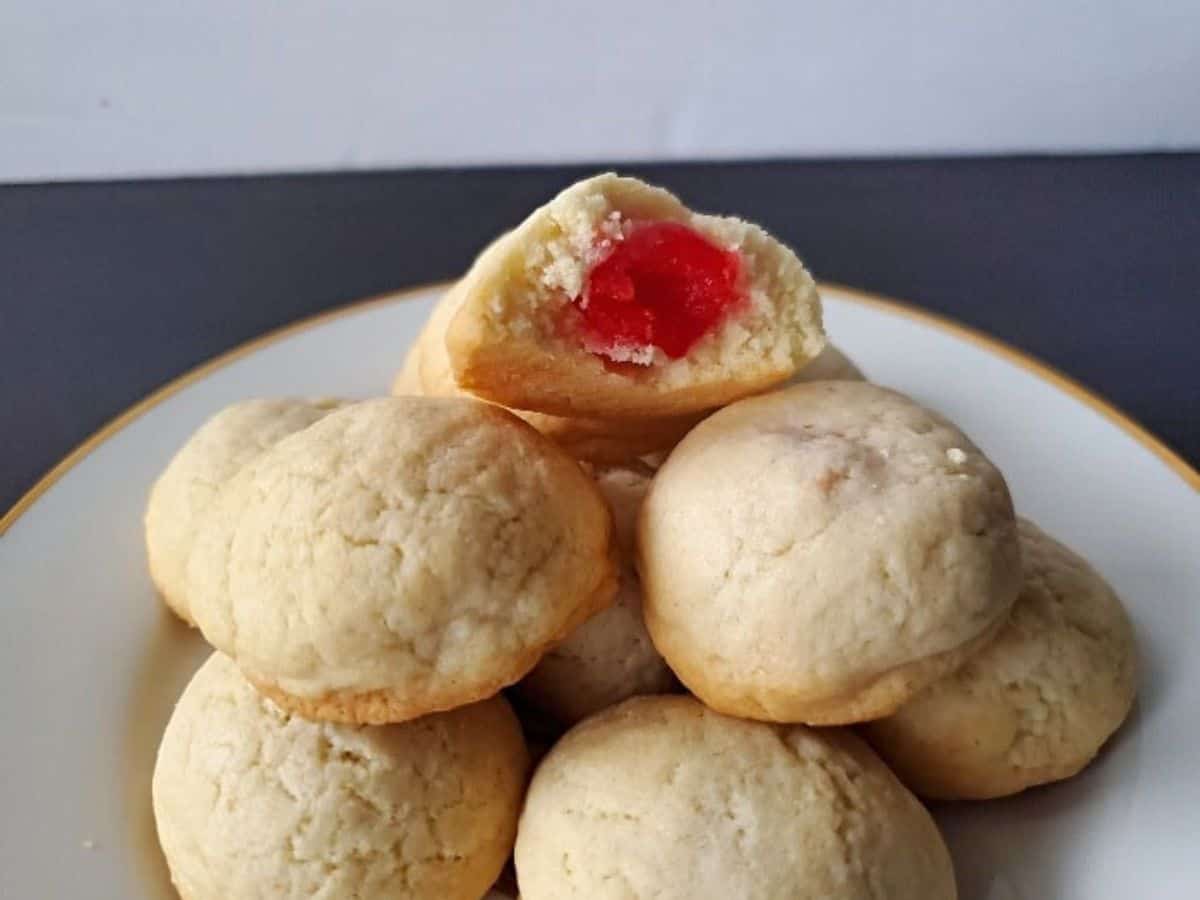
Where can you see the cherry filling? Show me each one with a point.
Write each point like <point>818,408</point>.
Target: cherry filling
<point>663,286</point>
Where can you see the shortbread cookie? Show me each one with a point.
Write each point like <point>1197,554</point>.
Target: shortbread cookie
<point>251,801</point>
<point>823,553</point>
<point>831,364</point>
<point>212,455</point>
<point>609,657</point>
<point>661,797</point>
<point>401,556</point>
<point>616,301</point>
<point>407,382</point>
<point>427,371</point>
<point>1033,706</point>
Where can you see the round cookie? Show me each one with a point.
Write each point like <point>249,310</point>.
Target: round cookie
<point>427,371</point>
<point>661,797</point>
<point>252,802</point>
<point>616,301</point>
<point>402,556</point>
<point>211,456</point>
<point>408,380</point>
<point>823,553</point>
<point>1033,706</point>
<point>831,364</point>
<point>610,656</point>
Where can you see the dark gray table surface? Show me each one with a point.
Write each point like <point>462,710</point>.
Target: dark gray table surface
<point>107,290</point>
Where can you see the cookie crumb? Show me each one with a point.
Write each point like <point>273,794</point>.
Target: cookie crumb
<point>956,456</point>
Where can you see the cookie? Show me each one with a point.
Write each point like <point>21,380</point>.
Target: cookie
<point>831,364</point>
<point>661,797</point>
<point>402,556</point>
<point>1036,704</point>
<point>609,657</point>
<point>823,553</point>
<point>615,301</point>
<point>251,801</point>
<point>212,455</point>
<point>407,382</point>
<point>427,371</point>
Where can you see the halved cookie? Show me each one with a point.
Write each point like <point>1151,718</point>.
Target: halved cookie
<point>614,300</point>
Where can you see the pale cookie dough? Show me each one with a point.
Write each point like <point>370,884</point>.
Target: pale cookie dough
<point>426,371</point>
<point>401,556</point>
<point>252,802</point>
<point>609,657</point>
<point>823,553</point>
<point>516,336</point>
<point>1033,706</point>
<point>212,455</point>
<point>660,797</point>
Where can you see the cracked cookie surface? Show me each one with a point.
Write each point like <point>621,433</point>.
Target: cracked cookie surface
<point>253,802</point>
<point>822,553</point>
<point>401,556</point>
<point>661,797</point>
<point>211,456</point>
<point>1037,703</point>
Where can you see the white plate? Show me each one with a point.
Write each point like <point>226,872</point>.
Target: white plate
<point>90,663</point>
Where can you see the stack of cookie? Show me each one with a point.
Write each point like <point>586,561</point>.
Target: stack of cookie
<point>590,488</point>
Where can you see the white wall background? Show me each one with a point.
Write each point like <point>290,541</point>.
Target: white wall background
<point>101,88</point>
